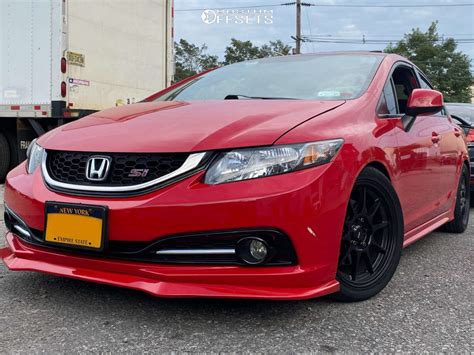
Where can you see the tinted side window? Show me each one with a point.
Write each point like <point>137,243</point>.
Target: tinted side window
<point>390,98</point>
<point>388,102</point>
<point>424,83</point>
<point>405,82</point>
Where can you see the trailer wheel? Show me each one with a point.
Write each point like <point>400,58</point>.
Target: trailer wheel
<point>11,138</point>
<point>4,157</point>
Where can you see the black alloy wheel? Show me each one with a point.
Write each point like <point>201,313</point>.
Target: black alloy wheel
<point>372,238</point>
<point>463,202</point>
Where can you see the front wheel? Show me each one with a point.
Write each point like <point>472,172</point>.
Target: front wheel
<point>372,239</point>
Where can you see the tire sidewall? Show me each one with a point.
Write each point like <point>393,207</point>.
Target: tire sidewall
<point>373,177</point>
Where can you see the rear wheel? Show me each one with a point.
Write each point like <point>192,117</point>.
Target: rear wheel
<point>462,209</point>
<point>372,239</point>
<point>4,157</point>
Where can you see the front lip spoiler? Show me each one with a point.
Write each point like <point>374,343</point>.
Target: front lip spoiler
<point>193,162</point>
<point>164,281</point>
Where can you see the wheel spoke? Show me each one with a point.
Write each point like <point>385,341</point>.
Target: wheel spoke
<point>374,208</point>
<point>368,263</point>
<point>355,264</point>
<point>380,226</point>
<point>346,256</point>
<point>353,205</point>
<point>364,200</point>
<point>379,248</point>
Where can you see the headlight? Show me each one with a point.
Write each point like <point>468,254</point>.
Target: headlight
<point>244,164</point>
<point>34,156</point>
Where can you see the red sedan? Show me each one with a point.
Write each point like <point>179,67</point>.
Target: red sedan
<point>282,178</point>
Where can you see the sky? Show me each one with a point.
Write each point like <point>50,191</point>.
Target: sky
<point>375,23</point>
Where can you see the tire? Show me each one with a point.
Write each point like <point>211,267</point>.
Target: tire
<point>372,240</point>
<point>462,210</point>
<point>11,138</point>
<point>4,157</point>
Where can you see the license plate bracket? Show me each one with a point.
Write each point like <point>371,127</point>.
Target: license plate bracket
<point>76,226</point>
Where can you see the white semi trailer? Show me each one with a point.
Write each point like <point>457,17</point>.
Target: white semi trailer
<point>63,59</point>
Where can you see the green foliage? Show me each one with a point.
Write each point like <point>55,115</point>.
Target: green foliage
<point>191,59</point>
<point>239,51</point>
<point>274,49</point>
<point>448,69</point>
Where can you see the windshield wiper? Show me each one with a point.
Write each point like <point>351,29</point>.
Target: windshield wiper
<point>237,97</point>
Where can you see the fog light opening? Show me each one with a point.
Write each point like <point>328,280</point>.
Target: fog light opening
<point>252,251</point>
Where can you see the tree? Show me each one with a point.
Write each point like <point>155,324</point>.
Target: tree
<point>448,69</point>
<point>239,51</point>
<point>274,48</point>
<point>191,59</point>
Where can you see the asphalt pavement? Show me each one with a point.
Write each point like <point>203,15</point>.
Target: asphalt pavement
<point>427,307</point>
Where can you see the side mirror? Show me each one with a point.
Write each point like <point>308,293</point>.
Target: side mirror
<point>424,101</point>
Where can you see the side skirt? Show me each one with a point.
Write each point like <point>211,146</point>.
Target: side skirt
<point>426,228</point>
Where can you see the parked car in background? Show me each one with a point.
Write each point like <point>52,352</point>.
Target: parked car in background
<point>463,114</point>
<point>280,178</point>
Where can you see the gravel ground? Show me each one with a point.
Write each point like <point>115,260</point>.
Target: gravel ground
<point>427,307</point>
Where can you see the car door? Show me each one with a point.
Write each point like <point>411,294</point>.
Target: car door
<point>417,156</point>
<point>448,158</point>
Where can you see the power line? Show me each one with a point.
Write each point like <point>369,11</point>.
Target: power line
<point>385,35</point>
<point>364,40</point>
<point>310,28</point>
<point>382,5</point>
<point>307,4</point>
<point>229,8</point>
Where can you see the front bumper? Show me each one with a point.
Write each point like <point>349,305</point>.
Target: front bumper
<point>308,206</point>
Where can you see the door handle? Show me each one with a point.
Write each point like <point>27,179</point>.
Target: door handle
<point>435,138</point>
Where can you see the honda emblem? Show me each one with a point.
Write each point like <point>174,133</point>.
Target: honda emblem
<point>98,168</point>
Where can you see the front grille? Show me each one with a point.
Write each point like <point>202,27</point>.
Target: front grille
<point>127,169</point>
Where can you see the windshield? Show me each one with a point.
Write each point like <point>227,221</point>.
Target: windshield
<point>310,77</point>
<point>466,112</point>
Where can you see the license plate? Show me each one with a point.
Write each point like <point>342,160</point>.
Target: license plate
<point>76,226</point>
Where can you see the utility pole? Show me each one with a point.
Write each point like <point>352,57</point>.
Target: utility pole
<point>298,27</point>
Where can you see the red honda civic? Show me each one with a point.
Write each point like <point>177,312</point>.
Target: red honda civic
<point>282,178</point>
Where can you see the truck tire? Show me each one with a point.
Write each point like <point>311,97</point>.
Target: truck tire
<point>4,157</point>
<point>11,138</point>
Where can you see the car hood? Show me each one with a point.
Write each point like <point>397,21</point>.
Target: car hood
<point>185,126</point>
